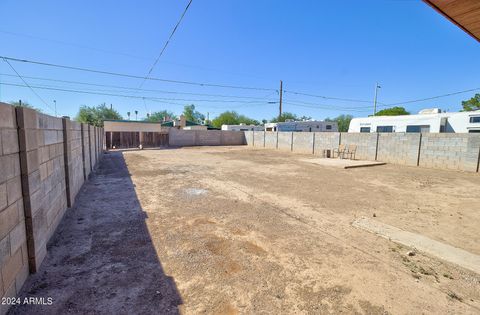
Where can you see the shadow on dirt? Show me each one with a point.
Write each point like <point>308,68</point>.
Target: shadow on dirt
<point>101,259</point>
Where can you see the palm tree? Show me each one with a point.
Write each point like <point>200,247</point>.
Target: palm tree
<point>128,114</point>
<point>136,113</point>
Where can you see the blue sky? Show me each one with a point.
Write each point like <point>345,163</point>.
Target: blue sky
<point>330,48</point>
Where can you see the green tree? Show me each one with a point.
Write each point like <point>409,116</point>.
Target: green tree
<point>471,104</point>
<point>284,117</point>
<point>394,111</point>
<point>343,122</point>
<point>95,115</point>
<point>160,116</point>
<point>233,118</point>
<point>193,115</point>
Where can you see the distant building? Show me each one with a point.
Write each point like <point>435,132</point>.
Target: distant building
<point>430,120</point>
<point>242,127</point>
<point>305,126</point>
<point>132,133</point>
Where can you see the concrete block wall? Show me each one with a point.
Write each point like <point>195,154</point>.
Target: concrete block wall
<point>177,137</point>
<point>366,144</point>
<point>442,151</point>
<point>87,166</point>
<point>399,148</point>
<point>259,139</point>
<point>285,141</point>
<point>326,141</point>
<point>13,238</point>
<point>303,142</point>
<point>271,140</point>
<point>43,179</point>
<point>41,171</point>
<point>249,138</point>
<point>73,159</point>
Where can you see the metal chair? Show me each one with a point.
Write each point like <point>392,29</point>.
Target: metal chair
<point>350,152</point>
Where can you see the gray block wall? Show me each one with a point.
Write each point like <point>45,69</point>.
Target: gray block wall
<point>399,148</point>
<point>442,151</point>
<point>303,142</point>
<point>87,166</point>
<point>13,237</point>
<point>205,137</point>
<point>285,141</point>
<point>249,138</point>
<point>259,139</point>
<point>326,141</point>
<point>41,172</point>
<point>271,139</point>
<point>366,144</point>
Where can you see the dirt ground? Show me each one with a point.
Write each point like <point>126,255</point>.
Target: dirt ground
<point>234,230</point>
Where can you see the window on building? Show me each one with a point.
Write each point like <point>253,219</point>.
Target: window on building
<point>329,127</point>
<point>384,128</point>
<point>364,129</point>
<point>474,131</point>
<point>418,128</point>
<point>475,119</point>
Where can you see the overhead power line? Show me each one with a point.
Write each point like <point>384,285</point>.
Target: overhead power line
<point>137,89</point>
<point>433,97</point>
<point>166,44</point>
<point>328,97</point>
<point>165,100</point>
<point>27,85</point>
<point>136,76</point>
<point>324,107</point>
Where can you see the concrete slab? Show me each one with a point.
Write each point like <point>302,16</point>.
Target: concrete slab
<point>422,243</point>
<point>343,163</point>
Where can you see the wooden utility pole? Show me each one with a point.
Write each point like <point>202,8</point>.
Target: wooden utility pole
<point>280,102</point>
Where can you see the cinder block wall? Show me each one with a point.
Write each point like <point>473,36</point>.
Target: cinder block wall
<point>366,144</point>
<point>41,171</point>
<point>399,148</point>
<point>13,237</point>
<point>43,179</point>
<point>285,141</point>
<point>326,141</point>
<point>443,151</point>
<point>87,166</point>
<point>271,140</point>
<point>259,139</point>
<point>178,137</point>
<point>303,142</point>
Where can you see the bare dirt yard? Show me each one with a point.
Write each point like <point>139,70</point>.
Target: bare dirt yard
<point>235,230</point>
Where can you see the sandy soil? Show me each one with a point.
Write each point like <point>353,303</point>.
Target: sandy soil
<point>234,230</point>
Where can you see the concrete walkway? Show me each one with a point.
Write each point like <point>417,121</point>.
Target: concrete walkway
<point>101,259</point>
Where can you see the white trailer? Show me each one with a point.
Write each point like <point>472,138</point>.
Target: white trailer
<point>455,122</point>
<point>303,126</point>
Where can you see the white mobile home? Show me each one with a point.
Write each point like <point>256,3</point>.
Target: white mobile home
<point>305,126</point>
<point>433,121</point>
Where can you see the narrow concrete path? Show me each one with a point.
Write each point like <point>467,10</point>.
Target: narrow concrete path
<point>422,243</point>
<point>101,259</point>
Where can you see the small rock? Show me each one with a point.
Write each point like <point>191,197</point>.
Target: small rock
<point>374,215</point>
<point>411,253</point>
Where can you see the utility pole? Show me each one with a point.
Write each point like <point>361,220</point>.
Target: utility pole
<point>55,103</point>
<point>375,99</point>
<point>280,102</point>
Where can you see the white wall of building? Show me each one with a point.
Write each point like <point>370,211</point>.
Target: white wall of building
<point>458,122</point>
